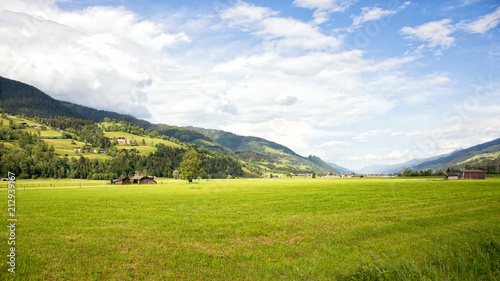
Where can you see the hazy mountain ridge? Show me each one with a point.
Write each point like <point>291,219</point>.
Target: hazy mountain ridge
<point>476,155</point>
<point>395,168</point>
<point>341,169</point>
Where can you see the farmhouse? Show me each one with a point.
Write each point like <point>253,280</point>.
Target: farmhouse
<point>143,179</point>
<point>121,180</point>
<point>472,174</point>
<point>451,176</point>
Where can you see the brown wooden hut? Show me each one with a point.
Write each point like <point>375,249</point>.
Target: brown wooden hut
<point>472,174</point>
<point>143,179</point>
<point>121,180</point>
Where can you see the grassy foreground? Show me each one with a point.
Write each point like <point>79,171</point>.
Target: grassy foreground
<point>260,229</point>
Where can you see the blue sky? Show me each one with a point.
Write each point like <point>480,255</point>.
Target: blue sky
<point>356,83</point>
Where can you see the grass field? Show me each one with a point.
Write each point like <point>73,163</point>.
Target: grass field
<point>257,229</point>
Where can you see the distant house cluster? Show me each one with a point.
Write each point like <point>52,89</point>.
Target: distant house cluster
<point>34,126</point>
<point>466,174</point>
<point>89,150</point>
<point>120,140</point>
<point>137,179</point>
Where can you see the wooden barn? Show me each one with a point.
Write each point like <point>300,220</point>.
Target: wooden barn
<point>472,174</point>
<point>121,180</point>
<point>451,176</point>
<point>143,179</point>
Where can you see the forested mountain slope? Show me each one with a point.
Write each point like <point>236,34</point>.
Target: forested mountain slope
<point>20,98</point>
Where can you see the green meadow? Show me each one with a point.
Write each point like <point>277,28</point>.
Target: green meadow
<point>256,229</point>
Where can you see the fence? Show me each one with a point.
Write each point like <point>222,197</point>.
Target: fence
<point>20,185</point>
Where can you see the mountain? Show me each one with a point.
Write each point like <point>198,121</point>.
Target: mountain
<point>283,157</point>
<point>481,155</point>
<point>20,98</point>
<point>395,168</point>
<point>100,115</point>
<point>242,143</point>
<point>341,169</point>
<point>182,134</point>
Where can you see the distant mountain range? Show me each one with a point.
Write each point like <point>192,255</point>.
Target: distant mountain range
<point>19,98</point>
<point>341,169</point>
<point>479,155</point>
<point>485,156</point>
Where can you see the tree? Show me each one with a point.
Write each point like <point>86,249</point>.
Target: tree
<point>191,165</point>
<point>175,174</point>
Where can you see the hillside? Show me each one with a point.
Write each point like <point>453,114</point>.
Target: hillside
<point>23,99</point>
<point>482,155</point>
<point>101,115</point>
<point>242,143</point>
<point>274,157</point>
<point>341,169</point>
<point>282,157</point>
<point>66,147</point>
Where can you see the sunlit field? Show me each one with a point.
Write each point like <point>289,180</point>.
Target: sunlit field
<point>256,229</point>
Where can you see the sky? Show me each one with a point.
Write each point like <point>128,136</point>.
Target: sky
<point>357,83</point>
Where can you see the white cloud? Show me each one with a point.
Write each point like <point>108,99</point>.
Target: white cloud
<point>371,134</point>
<point>435,34</point>
<point>245,14</point>
<point>369,156</point>
<point>483,24</point>
<point>282,33</point>
<point>374,13</point>
<point>323,8</point>
<point>101,56</point>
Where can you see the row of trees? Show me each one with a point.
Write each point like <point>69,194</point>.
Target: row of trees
<point>424,173</point>
<point>490,166</point>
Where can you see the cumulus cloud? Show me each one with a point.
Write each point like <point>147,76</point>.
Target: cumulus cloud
<point>323,8</point>
<point>483,24</point>
<point>283,33</point>
<point>371,134</point>
<point>286,100</point>
<point>373,14</point>
<point>435,34</point>
<point>244,14</point>
<point>99,57</point>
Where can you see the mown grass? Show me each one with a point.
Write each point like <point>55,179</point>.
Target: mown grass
<point>63,147</point>
<point>148,140</point>
<point>260,229</point>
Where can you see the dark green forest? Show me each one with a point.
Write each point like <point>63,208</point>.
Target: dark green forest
<point>18,98</point>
